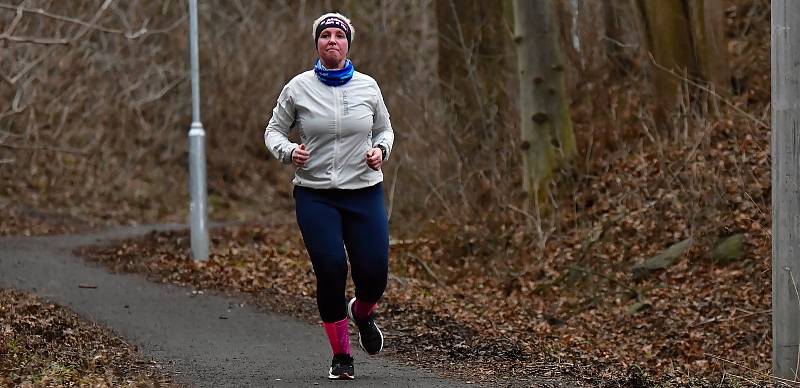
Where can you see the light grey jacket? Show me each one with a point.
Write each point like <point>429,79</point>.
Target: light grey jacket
<point>338,125</point>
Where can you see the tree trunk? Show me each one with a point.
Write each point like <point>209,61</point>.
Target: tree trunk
<point>472,64</point>
<point>548,141</point>
<point>708,36</point>
<point>620,31</point>
<point>613,28</point>
<point>785,180</point>
<point>685,37</point>
<point>669,41</point>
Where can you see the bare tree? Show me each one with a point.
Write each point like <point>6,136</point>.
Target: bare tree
<point>685,39</point>
<point>619,25</point>
<point>708,41</point>
<point>548,141</point>
<point>472,62</point>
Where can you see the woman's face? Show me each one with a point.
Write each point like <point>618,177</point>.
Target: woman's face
<point>332,47</point>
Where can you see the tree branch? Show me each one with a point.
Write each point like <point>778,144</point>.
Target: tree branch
<point>38,11</point>
<point>704,88</point>
<point>44,148</point>
<point>87,26</point>
<point>32,39</point>
<point>161,93</point>
<point>14,23</point>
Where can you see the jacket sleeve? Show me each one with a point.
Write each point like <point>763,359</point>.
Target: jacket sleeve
<point>382,133</point>
<point>277,132</point>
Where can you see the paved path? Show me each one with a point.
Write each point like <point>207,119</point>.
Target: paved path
<point>184,332</point>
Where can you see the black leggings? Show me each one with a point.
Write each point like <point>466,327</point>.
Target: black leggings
<point>332,219</point>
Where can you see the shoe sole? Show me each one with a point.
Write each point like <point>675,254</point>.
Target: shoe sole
<point>350,315</point>
<point>343,376</point>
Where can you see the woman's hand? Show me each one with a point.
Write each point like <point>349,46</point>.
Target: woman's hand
<point>374,158</point>
<point>300,156</point>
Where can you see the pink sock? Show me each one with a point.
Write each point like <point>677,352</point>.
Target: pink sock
<point>338,336</point>
<point>362,310</point>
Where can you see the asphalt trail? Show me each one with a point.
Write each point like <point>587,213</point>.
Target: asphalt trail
<point>203,340</point>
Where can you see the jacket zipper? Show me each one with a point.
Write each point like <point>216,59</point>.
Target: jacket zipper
<point>337,125</point>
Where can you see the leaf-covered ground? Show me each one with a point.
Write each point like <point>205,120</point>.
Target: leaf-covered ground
<point>18,220</point>
<point>564,312</point>
<point>45,345</point>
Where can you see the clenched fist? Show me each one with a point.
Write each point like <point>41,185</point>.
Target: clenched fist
<point>375,158</point>
<point>300,156</point>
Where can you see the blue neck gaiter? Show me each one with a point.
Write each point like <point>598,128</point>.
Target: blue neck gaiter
<point>337,77</point>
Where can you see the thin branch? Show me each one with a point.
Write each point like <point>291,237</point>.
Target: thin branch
<point>145,31</point>
<point>32,39</point>
<point>755,204</point>
<point>523,212</point>
<point>779,380</point>
<point>743,316</point>
<point>7,113</point>
<point>6,79</point>
<point>90,25</point>
<point>86,26</point>
<point>93,20</point>
<point>755,383</point>
<point>160,94</point>
<point>398,279</point>
<point>469,61</point>
<point>14,23</point>
<point>15,102</point>
<point>426,268</point>
<point>618,43</point>
<point>45,148</point>
<point>708,90</point>
<point>42,12</point>
<point>27,68</point>
<point>435,191</point>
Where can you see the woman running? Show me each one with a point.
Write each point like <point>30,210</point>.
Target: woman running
<point>346,136</point>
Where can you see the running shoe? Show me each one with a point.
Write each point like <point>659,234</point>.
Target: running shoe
<point>369,335</point>
<point>341,367</point>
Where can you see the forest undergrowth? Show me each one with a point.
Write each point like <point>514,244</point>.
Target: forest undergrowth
<point>495,298</point>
